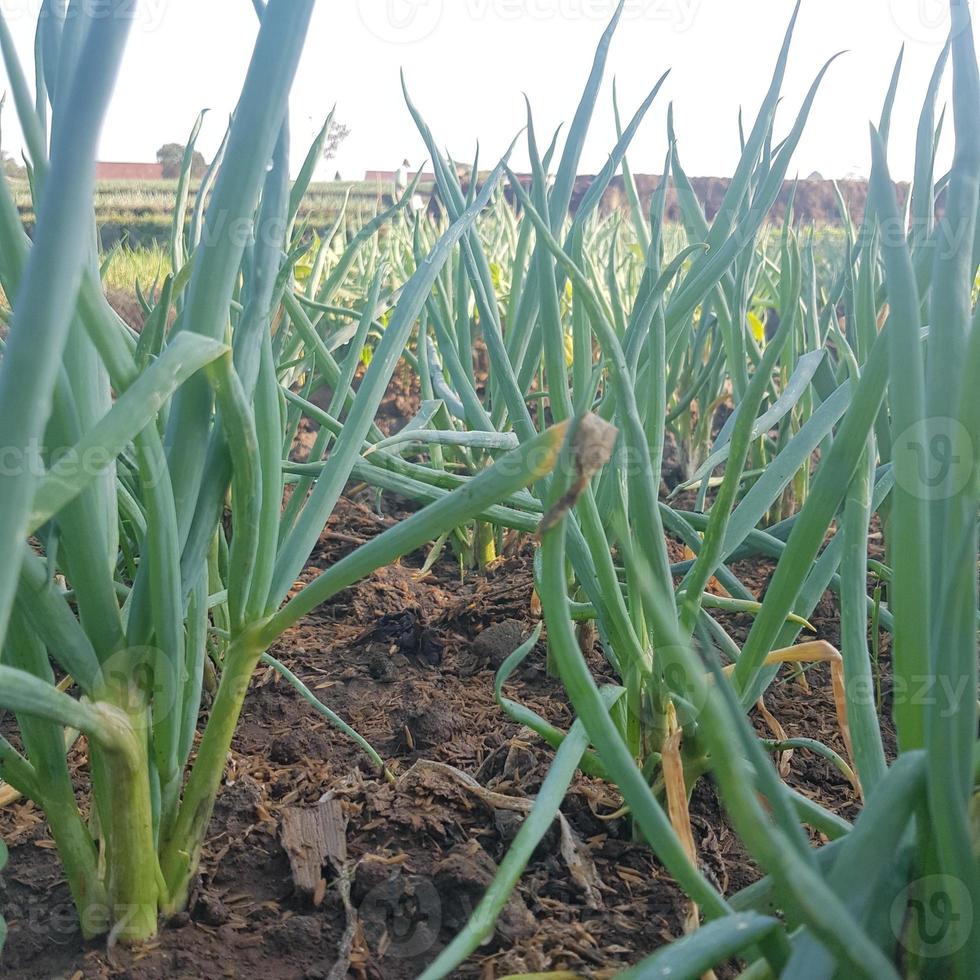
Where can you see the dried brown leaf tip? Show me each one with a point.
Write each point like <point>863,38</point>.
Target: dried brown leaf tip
<point>592,448</point>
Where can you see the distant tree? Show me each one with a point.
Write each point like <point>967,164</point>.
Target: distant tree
<point>10,166</point>
<point>171,157</point>
<point>336,135</point>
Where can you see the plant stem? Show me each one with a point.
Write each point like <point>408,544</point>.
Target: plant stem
<point>78,855</point>
<point>133,887</point>
<point>181,852</point>
<point>486,545</point>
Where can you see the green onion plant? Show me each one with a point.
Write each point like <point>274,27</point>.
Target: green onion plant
<point>859,400</point>
<point>125,453</point>
<point>158,520</point>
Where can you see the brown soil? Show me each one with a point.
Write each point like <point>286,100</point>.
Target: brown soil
<point>401,657</point>
<point>127,306</point>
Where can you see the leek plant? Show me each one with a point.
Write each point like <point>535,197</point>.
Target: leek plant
<point>123,452</point>
<point>579,327</point>
<point>872,371</point>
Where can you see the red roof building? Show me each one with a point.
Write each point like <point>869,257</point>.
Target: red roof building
<point>128,171</point>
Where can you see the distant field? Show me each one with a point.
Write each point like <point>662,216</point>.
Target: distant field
<point>139,212</point>
<point>146,264</point>
<point>134,220</point>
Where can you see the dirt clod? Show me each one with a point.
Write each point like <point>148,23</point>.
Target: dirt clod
<point>498,641</point>
<point>286,749</point>
<point>297,932</point>
<point>461,879</point>
<point>210,910</point>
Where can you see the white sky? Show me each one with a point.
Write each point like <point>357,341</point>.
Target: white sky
<point>468,62</point>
